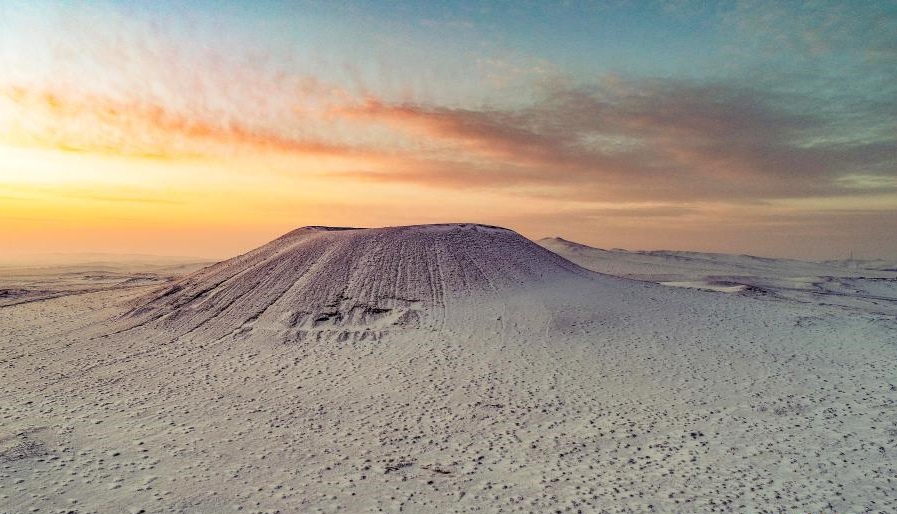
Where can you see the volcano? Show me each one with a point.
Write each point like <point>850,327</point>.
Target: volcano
<point>353,283</point>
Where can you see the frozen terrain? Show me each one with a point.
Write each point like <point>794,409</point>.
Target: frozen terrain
<point>452,368</point>
<point>866,286</point>
<point>23,284</point>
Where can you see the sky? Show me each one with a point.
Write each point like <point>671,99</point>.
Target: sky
<point>206,128</point>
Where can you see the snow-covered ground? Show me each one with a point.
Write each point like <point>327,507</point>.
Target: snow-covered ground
<point>451,368</point>
<point>865,286</point>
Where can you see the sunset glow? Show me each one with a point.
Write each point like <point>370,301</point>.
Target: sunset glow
<point>206,128</point>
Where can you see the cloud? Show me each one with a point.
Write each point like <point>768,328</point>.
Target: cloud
<point>77,122</point>
<point>164,86</point>
<point>642,139</point>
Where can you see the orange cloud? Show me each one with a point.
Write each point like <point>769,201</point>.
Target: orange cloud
<point>91,123</point>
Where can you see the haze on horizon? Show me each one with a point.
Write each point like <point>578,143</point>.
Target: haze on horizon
<point>207,128</point>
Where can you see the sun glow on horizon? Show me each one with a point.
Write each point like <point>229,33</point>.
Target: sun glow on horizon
<point>250,121</point>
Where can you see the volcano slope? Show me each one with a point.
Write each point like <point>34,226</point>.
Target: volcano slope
<point>446,368</point>
<point>352,284</point>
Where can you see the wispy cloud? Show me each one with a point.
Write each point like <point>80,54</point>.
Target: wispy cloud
<point>633,139</point>
<point>73,121</point>
<point>661,139</point>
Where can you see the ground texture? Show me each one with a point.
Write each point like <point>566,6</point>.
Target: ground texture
<point>453,368</point>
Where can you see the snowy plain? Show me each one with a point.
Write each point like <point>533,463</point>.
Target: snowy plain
<point>449,368</point>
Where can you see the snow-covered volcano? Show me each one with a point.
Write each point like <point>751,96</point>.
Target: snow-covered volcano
<point>353,282</point>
